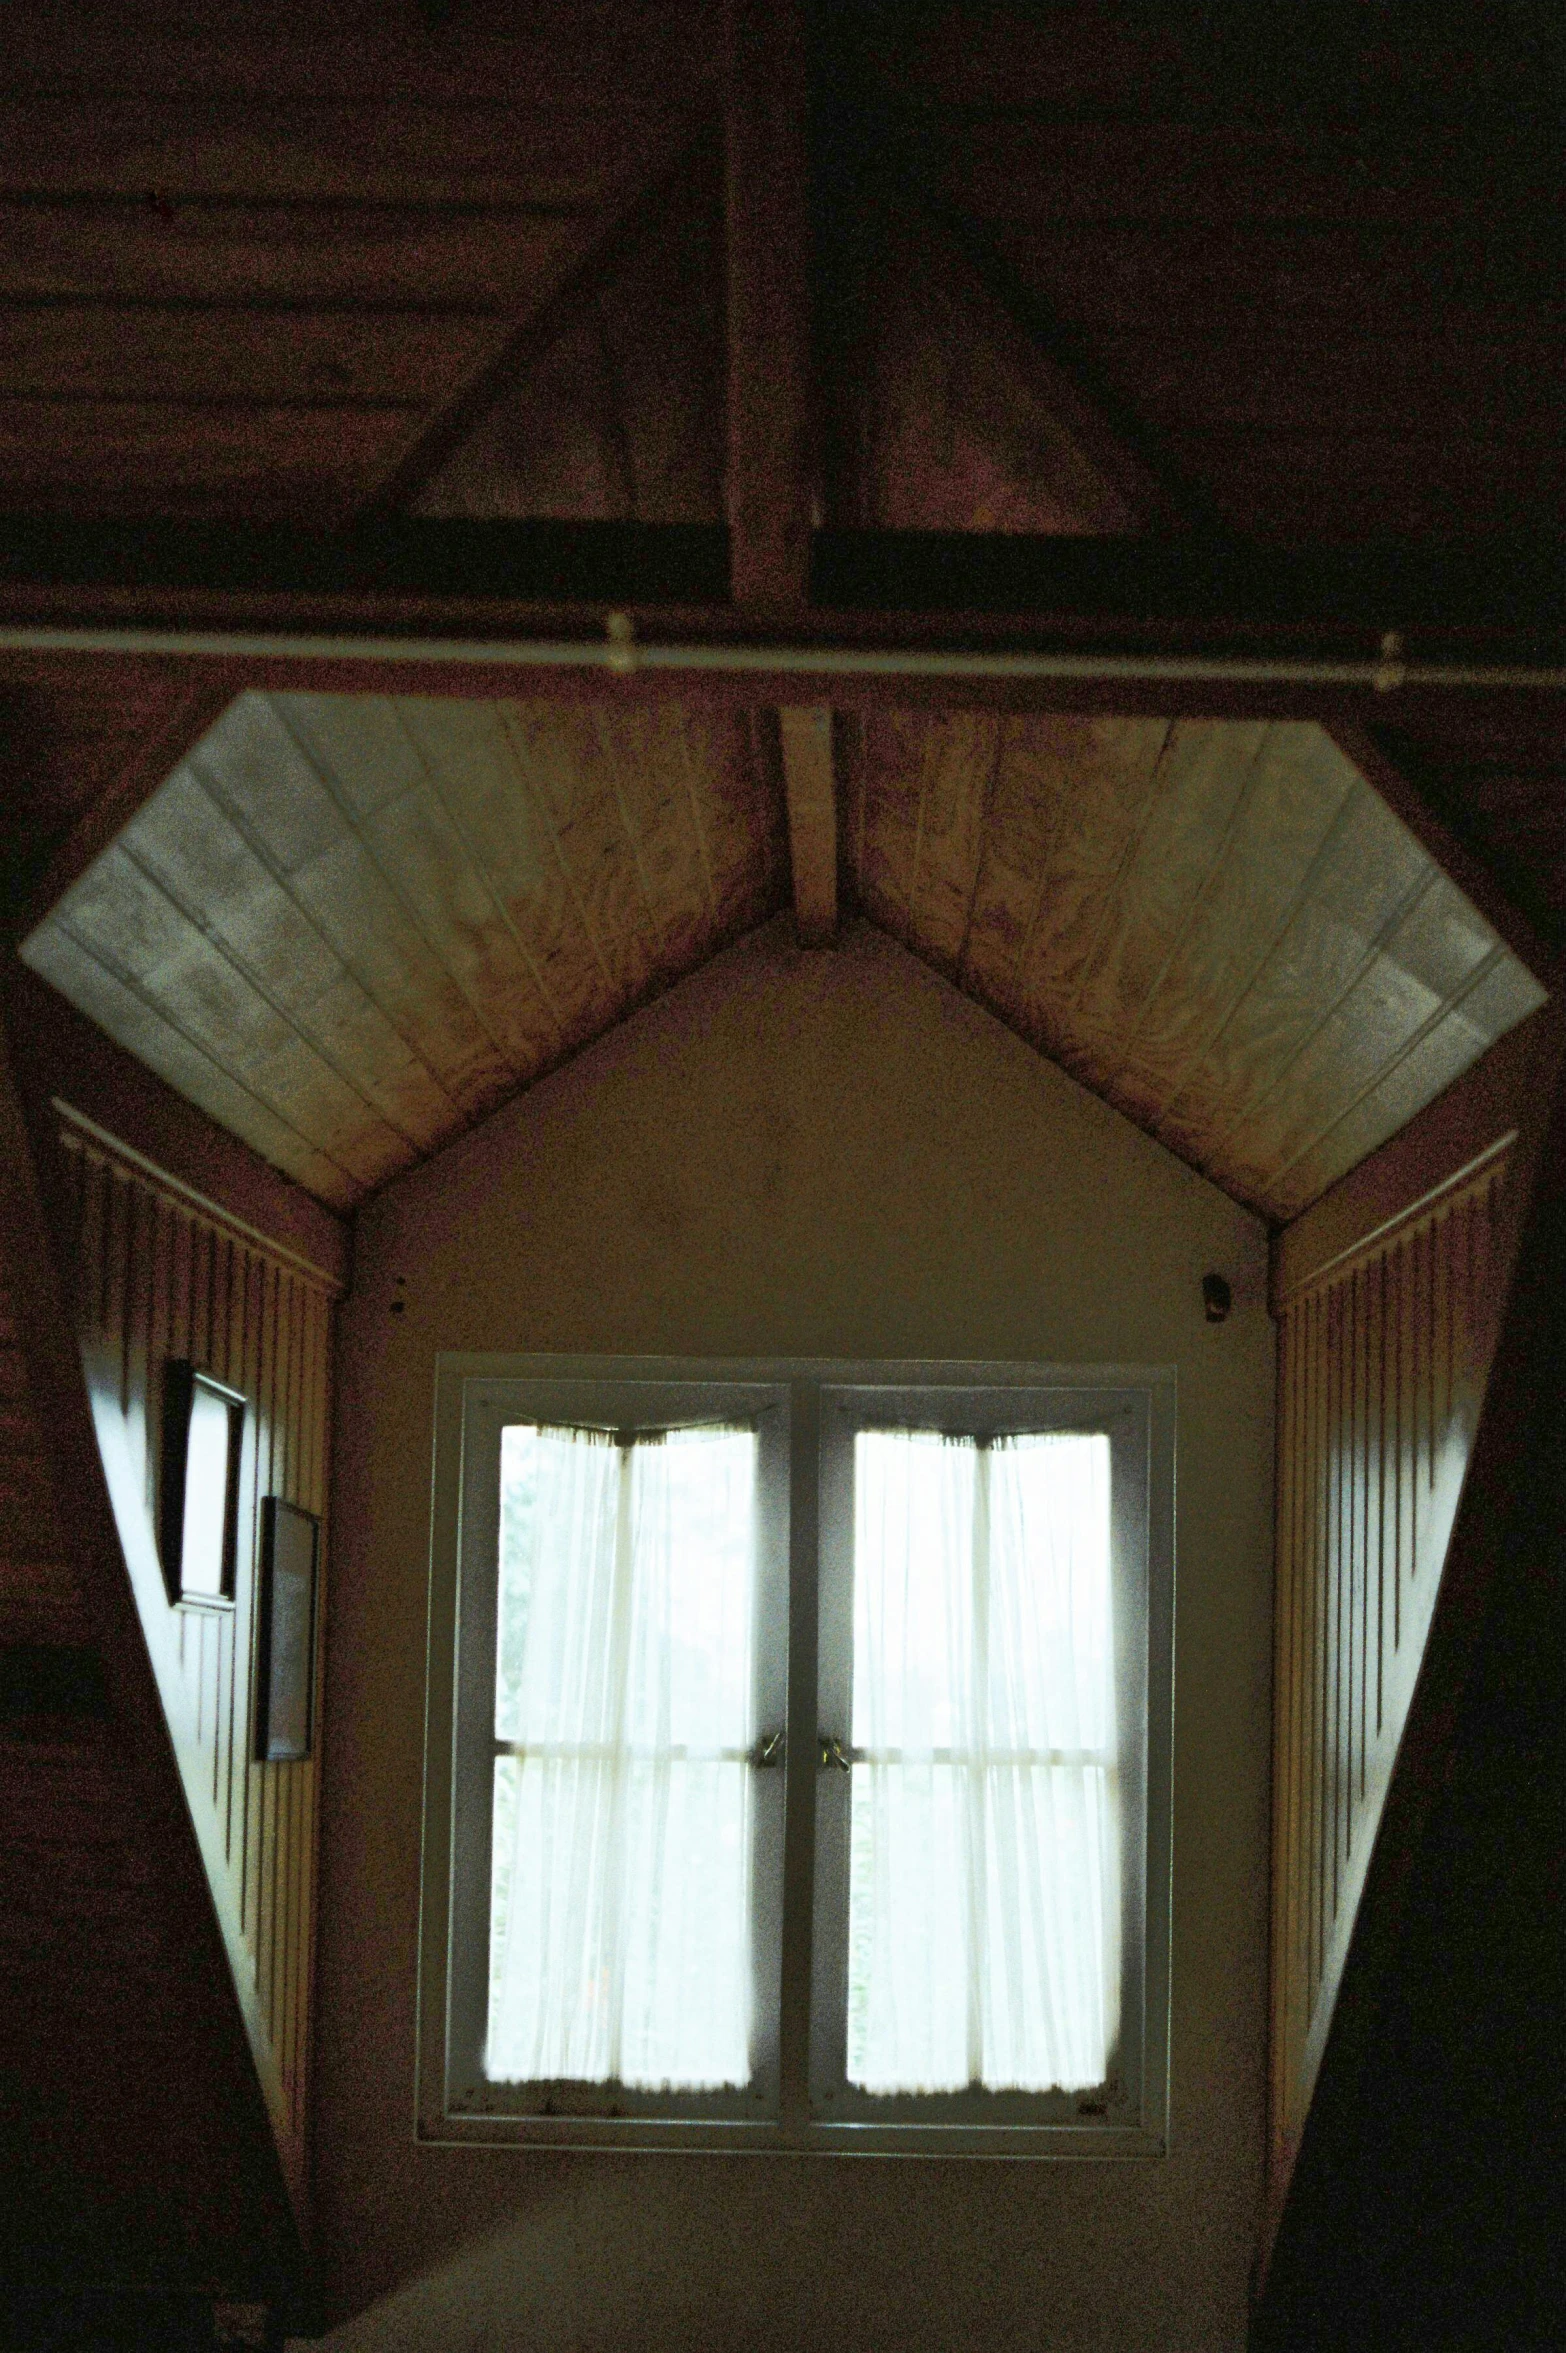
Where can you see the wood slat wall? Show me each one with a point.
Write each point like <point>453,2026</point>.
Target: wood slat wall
<point>124,2154</point>
<point>158,1279</point>
<point>1382,1363</point>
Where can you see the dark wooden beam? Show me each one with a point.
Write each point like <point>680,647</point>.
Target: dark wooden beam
<point>810,789</point>
<point>1489,600</point>
<point>58,1054</point>
<point>897,618</point>
<point>768,225</point>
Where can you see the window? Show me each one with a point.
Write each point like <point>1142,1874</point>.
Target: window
<point>797,1757</point>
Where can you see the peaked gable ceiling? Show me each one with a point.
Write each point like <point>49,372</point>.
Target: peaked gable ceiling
<point>348,926</point>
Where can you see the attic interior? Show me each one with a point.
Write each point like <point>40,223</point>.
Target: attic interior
<point>742,685</point>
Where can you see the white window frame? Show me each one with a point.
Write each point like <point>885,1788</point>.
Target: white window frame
<point>806,1412</point>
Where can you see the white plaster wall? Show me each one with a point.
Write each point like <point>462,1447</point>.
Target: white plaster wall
<point>814,1156</point>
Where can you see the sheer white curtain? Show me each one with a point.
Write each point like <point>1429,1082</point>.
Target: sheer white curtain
<point>620,1886</point>
<point>984,1909</point>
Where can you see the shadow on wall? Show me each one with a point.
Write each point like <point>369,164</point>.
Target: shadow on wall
<point>510,2295</point>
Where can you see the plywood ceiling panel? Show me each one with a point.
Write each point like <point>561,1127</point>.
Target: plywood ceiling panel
<point>1219,927</point>
<point>348,926</point>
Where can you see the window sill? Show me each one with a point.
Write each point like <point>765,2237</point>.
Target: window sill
<point>1090,2140</point>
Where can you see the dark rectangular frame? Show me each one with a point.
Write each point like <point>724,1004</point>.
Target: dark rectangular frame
<point>272,1682</point>
<point>181,1380</point>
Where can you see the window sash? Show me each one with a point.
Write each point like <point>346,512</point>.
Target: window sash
<point>976,1411</point>
<point>799,2097</point>
<point>628,1408</point>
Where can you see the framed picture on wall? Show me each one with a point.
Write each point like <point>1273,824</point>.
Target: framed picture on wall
<point>285,1657</point>
<point>203,1433</point>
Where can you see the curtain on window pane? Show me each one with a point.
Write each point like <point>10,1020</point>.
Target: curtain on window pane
<point>620,1886</point>
<point>984,1907</point>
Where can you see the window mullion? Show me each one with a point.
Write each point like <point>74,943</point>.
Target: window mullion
<point>978,1744</point>
<point>619,1680</point>
<point>799,1818</point>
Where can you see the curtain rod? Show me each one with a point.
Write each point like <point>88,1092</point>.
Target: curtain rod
<point>623,654</point>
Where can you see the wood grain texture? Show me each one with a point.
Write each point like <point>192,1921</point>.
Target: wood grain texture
<point>124,2035</point>
<point>1381,1367</point>
<point>60,1056</point>
<point>157,1278</point>
<point>612,406</point>
<point>1215,925</point>
<point>1386,1347</point>
<point>345,927</point>
<point>1275,260</point>
<point>240,278</point>
<point>946,414</point>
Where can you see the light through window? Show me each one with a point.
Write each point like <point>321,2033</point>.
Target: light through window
<point>798,1758</point>
<point>984,1901</point>
<point>620,1875</point>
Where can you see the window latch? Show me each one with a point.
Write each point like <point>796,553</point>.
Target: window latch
<point>832,1752</point>
<point>769,1749</point>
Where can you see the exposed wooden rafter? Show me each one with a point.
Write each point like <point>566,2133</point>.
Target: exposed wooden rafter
<point>809,785</point>
<point>768,224</point>
<point>583,262</point>
<point>950,414</point>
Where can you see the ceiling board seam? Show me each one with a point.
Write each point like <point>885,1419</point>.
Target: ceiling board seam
<point>133,987</point>
<point>1198,899</point>
<point>231,810</point>
<point>1035,915</point>
<point>480,866</point>
<point>1443,1012</point>
<point>688,770</point>
<point>1406,907</point>
<point>546,815</point>
<point>611,761</point>
<point>229,955</point>
<point>991,780</point>
<point>929,740</point>
<point>1297,903</point>
<point>331,786</point>
<point>1128,859</point>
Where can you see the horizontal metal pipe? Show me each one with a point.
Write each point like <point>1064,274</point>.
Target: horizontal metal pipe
<point>623,656</point>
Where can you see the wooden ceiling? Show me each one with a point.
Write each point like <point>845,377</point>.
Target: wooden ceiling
<point>346,926</point>
<point>1077,271</point>
<point>247,264</point>
<point>1314,281</point>
<point>1314,270</point>
<point>1216,925</point>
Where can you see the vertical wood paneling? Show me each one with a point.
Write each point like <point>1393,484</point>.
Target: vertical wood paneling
<point>159,1278</point>
<point>1381,1364</point>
